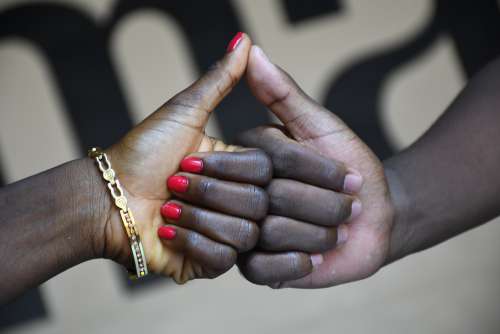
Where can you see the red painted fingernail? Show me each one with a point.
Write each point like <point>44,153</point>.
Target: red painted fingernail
<point>192,165</point>
<point>167,232</point>
<point>234,42</point>
<point>178,183</point>
<point>171,210</point>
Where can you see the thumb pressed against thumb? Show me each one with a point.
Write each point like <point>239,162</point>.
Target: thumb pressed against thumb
<point>192,106</point>
<point>274,88</point>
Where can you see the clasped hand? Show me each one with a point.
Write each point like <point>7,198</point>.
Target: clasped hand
<point>304,204</point>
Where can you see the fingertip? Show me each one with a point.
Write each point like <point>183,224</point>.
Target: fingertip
<point>194,104</point>
<point>260,68</point>
<point>234,42</point>
<point>167,232</point>
<point>356,209</point>
<point>353,182</point>
<point>192,164</point>
<point>342,234</point>
<point>239,47</point>
<point>316,260</point>
<point>171,210</point>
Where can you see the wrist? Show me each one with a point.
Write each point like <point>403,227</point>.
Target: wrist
<point>109,238</point>
<point>94,208</point>
<point>400,238</point>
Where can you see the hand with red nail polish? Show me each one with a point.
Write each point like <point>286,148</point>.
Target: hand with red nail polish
<point>330,197</point>
<point>150,154</point>
<point>217,200</point>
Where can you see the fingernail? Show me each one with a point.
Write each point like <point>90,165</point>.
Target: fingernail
<point>316,259</point>
<point>353,182</point>
<point>178,183</point>
<point>355,209</point>
<point>342,234</point>
<point>171,210</point>
<point>234,42</point>
<point>167,232</point>
<point>192,165</point>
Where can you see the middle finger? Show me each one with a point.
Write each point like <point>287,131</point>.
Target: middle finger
<point>300,201</point>
<point>236,199</point>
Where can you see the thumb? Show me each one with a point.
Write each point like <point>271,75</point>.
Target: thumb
<point>192,106</point>
<point>301,115</point>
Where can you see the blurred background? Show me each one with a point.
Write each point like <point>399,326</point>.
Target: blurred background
<point>79,73</point>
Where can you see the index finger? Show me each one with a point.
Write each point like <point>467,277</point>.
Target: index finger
<point>245,165</point>
<point>293,160</point>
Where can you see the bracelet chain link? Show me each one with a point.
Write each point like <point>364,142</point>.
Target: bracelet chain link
<point>125,213</point>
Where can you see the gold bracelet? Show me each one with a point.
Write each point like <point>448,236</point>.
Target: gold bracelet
<point>126,215</point>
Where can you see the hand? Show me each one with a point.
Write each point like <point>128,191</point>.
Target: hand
<point>213,218</point>
<point>150,153</point>
<point>366,237</point>
<point>306,207</point>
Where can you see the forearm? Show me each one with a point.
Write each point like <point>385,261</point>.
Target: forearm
<point>48,223</point>
<point>449,180</point>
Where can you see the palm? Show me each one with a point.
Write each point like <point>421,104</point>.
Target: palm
<point>149,160</point>
<point>370,231</point>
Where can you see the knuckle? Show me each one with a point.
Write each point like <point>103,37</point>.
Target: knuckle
<point>264,166</point>
<point>248,235</point>
<point>266,237</point>
<point>186,100</point>
<point>229,76</point>
<point>259,202</point>
<point>196,215</point>
<point>277,195</point>
<point>227,79</point>
<point>270,223</point>
<point>194,240</point>
<point>285,159</point>
<point>205,187</point>
<point>226,258</point>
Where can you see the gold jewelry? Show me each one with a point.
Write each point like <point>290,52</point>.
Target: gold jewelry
<point>126,215</point>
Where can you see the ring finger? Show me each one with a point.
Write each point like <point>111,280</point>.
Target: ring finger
<point>239,233</point>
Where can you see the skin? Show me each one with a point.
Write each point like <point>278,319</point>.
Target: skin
<point>317,129</point>
<point>209,238</point>
<point>172,132</point>
<point>444,184</point>
<point>302,216</point>
<point>64,216</point>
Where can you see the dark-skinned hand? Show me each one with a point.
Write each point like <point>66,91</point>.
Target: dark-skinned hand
<point>304,197</point>
<point>152,152</point>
